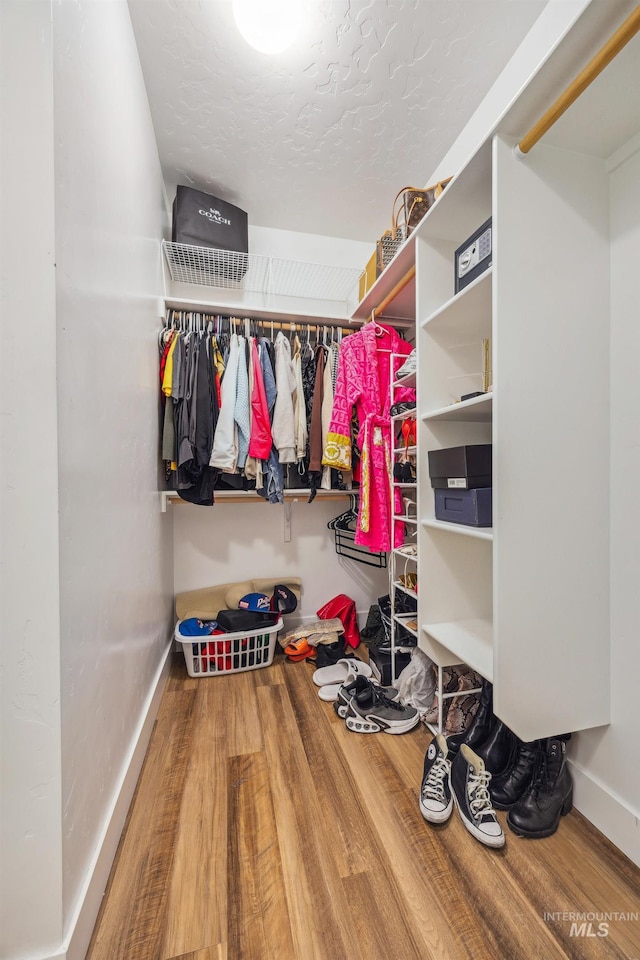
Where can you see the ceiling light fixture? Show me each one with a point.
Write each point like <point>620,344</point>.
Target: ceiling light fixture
<point>269,26</point>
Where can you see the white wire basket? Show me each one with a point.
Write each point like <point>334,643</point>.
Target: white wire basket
<point>226,653</point>
<point>231,270</point>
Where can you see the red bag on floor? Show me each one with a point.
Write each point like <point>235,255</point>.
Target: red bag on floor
<point>344,608</point>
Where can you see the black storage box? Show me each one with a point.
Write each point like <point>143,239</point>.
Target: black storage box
<point>461,468</point>
<point>380,663</point>
<point>472,507</point>
<point>201,220</point>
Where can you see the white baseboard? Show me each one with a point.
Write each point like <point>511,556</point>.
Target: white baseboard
<point>80,930</point>
<point>609,813</point>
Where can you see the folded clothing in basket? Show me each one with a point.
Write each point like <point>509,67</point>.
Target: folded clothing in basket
<point>237,620</point>
<point>192,627</point>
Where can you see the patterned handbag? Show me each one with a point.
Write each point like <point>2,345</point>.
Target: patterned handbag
<point>414,205</point>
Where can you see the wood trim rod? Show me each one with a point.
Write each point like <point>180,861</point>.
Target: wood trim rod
<point>595,67</point>
<point>400,285</point>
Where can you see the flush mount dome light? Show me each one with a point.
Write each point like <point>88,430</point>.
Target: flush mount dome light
<point>269,25</point>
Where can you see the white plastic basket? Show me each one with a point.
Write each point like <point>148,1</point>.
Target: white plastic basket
<point>226,653</point>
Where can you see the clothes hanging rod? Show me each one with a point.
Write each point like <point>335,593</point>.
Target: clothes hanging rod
<point>287,325</point>
<point>400,285</point>
<point>596,65</point>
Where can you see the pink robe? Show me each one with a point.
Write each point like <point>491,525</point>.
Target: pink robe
<point>363,381</point>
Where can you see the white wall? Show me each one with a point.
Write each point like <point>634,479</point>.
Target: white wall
<point>229,542</point>
<point>30,819</point>
<point>553,23</point>
<point>86,584</point>
<point>115,549</point>
<point>608,758</point>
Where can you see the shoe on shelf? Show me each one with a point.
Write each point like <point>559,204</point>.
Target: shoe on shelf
<point>405,406</point>
<point>408,549</point>
<point>408,367</point>
<point>470,788</point>
<point>347,691</point>
<point>370,711</point>
<point>436,802</point>
<point>408,472</point>
<point>549,795</point>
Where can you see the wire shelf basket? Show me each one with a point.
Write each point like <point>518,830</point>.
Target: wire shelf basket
<point>229,269</point>
<point>344,533</point>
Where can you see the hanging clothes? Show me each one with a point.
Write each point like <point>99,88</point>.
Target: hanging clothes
<point>225,442</point>
<point>327,408</point>
<point>283,414</point>
<point>363,382</point>
<point>315,432</point>
<point>260,439</point>
<point>241,411</point>
<point>299,410</point>
<point>272,485</point>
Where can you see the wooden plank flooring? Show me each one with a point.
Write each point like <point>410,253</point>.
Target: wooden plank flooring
<point>262,829</point>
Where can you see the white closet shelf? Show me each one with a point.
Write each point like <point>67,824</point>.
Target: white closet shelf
<point>408,381</point>
<point>480,533</point>
<point>403,486</point>
<point>230,270</point>
<point>471,640</point>
<point>404,619</point>
<point>403,416</point>
<point>467,312</point>
<point>250,496</point>
<point>475,410</point>
<point>407,590</point>
<point>242,310</point>
<point>405,556</point>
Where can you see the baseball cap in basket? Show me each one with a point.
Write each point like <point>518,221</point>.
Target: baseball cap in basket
<point>283,600</point>
<point>256,602</point>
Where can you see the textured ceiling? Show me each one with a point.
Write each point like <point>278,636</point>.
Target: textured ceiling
<point>319,139</point>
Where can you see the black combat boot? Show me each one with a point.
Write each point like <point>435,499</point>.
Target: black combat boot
<point>497,749</point>
<point>481,725</point>
<point>507,787</point>
<point>549,795</point>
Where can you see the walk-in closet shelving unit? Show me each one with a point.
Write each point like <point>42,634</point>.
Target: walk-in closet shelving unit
<point>395,292</point>
<point>526,603</point>
<point>402,563</point>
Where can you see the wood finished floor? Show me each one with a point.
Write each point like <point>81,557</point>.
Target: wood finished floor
<point>262,829</point>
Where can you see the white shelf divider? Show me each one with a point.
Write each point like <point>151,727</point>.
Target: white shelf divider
<point>479,533</point>
<point>471,640</point>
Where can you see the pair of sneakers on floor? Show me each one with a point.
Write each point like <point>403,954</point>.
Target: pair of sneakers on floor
<point>361,702</point>
<point>459,779</point>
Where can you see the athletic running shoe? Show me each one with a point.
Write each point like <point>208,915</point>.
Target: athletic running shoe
<point>370,711</point>
<point>354,685</point>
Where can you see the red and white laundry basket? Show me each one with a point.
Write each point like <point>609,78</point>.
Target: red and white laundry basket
<point>225,653</point>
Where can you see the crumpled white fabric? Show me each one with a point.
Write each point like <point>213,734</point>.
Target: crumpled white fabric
<point>416,684</point>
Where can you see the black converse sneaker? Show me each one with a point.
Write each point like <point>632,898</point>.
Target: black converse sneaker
<point>436,802</point>
<point>354,685</point>
<point>470,788</point>
<point>370,711</point>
